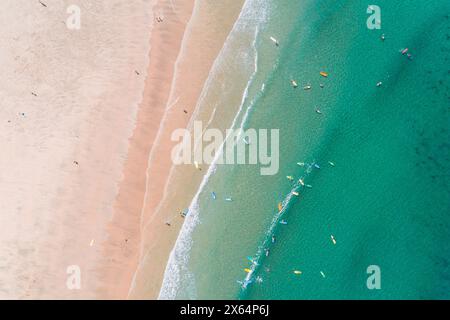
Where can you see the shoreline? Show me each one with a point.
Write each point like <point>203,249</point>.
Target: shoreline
<point>198,51</point>
<point>226,90</point>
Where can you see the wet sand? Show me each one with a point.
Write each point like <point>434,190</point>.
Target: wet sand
<point>125,229</point>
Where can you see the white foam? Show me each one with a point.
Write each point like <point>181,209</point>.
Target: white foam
<point>259,256</point>
<point>177,273</point>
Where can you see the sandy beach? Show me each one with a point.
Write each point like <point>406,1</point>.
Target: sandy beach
<point>86,121</point>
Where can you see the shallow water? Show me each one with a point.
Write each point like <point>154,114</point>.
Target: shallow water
<point>386,200</point>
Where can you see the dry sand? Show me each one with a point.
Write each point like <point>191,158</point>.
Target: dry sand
<point>69,100</point>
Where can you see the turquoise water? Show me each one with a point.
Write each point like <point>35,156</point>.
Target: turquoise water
<point>386,201</point>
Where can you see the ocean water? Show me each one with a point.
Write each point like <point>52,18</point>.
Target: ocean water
<point>386,200</point>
